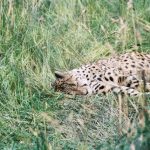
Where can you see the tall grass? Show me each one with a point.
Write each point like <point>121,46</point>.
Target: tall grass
<point>39,37</point>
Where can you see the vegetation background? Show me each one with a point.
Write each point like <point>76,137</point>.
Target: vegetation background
<point>38,37</point>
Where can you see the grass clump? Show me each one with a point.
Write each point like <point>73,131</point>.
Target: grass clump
<point>39,37</point>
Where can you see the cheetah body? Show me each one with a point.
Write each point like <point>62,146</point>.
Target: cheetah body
<point>119,74</point>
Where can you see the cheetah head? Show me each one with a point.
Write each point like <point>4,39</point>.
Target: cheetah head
<point>70,83</point>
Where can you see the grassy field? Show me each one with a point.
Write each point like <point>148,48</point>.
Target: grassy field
<point>38,37</point>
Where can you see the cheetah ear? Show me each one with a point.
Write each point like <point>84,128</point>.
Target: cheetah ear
<point>59,75</point>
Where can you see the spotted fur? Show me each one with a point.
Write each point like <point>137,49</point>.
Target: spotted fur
<point>117,74</point>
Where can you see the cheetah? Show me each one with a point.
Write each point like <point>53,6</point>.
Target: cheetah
<point>118,74</point>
